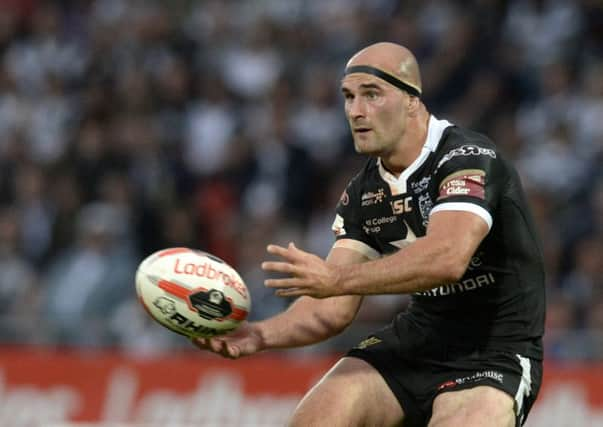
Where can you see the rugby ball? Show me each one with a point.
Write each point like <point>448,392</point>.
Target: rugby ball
<point>191,292</point>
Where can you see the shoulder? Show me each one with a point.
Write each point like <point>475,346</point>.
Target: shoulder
<point>352,194</point>
<point>367,174</point>
<point>457,136</point>
<point>458,143</point>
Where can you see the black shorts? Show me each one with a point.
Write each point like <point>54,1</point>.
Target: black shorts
<point>417,370</point>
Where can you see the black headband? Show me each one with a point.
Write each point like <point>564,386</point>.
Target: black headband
<point>384,76</point>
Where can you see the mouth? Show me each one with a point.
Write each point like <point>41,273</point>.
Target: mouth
<point>362,130</point>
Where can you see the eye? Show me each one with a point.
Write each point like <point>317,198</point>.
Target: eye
<point>371,95</point>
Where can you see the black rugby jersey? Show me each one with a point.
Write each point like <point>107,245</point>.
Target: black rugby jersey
<point>499,302</point>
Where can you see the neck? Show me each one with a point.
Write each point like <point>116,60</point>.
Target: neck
<point>410,145</point>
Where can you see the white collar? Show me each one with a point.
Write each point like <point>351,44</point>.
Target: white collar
<point>435,129</point>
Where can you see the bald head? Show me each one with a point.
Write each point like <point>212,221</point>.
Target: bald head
<point>394,59</point>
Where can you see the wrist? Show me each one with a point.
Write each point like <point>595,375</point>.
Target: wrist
<point>341,281</point>
<point>263,335</point>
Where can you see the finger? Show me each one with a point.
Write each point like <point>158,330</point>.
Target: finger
<point>215,345</point>
<point>230,351</point>
<point>277,250</point>
<point>289,282</point>
<point>202,343</point>
<point>224,350</point>
<point>233,351</point>
<point>294,250</point>
<point>227,350</point>
<point>199,342</point>
<point>280,267</point>
<point>291,292</point>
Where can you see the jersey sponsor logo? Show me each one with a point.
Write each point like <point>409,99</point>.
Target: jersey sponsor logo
<point>382,220</point>
<point>368,342</point>
<point>420,186</point>
<point>475,262</point>
<point>468,182</point>
<point>372,198</point>
<point>467,285</point>
<point>466,150</point>
<point>401,206</point>
<point>425,206</point>
<point>446,384</point>
<point>373,225</point>
<point>338,226</point>
<point>480,376</point>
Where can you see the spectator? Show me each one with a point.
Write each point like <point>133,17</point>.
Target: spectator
<point>88,280</point>
<point>19,285</point>
<point>196,125</point>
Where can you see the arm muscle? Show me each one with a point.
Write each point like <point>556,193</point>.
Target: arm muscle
<point>441,256</point>
<point>309,320</point>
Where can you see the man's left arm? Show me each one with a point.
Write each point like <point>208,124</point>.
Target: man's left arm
<point>440,257</point>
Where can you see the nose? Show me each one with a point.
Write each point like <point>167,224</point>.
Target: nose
<point>356,108</point>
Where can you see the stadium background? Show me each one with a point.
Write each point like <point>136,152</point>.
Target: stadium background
<point>130,126</point>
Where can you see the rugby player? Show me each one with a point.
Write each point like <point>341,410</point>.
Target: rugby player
<point>438,213</point>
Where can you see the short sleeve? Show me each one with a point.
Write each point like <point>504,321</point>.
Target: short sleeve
<point>469,178</point>
<point>347,225</point>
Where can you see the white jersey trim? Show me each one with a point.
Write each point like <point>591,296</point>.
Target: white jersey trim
<point>467,207</point>
<point>435,130</point>
<point>525,385</point>
<point>358,246</point>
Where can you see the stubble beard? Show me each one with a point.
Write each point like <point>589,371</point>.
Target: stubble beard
<point>372,147</point>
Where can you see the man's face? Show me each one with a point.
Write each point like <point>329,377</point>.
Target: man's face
<point>376,112</point>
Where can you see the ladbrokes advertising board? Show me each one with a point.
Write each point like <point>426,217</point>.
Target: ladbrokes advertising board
<point>44,388</point>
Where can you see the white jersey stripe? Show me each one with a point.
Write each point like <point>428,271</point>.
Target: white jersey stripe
<point>525,385</point>
<point>465,206</point>
<point>358,246</point>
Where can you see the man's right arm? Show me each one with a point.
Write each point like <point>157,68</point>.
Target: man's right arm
<point>307,321</point>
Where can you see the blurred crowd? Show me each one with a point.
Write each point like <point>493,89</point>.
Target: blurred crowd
<point>127,126</point>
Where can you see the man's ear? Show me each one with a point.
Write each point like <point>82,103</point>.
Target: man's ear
<point>412,105</point>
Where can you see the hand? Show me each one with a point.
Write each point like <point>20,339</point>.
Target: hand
<point>245,340</point>
<point>311,275</point>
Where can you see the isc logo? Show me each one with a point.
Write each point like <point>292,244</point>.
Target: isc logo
<point>401,206</point>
